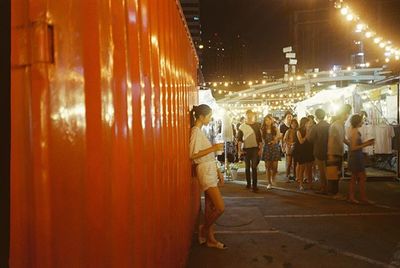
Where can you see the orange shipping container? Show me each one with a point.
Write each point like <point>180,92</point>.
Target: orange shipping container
<point>100,172</point>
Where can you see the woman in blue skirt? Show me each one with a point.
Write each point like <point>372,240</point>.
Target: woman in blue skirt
<point>356,160</point>
<point>271,150</point>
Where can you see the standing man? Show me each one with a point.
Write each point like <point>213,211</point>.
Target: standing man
<point>285,126</point>
<point>336,141</point>
<point>319,135</point>
<point>242,120</point>
<point>287,119</point>
<point>250,143</point>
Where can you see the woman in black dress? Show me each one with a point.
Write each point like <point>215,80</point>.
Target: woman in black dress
<point>303,153</point>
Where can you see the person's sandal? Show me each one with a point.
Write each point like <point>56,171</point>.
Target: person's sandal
<point>353,201</point>
<point>367,202</point>
<point>202,240</point>
<point>218,245</point>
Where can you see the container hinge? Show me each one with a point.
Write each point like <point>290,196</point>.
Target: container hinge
<point>32,44</point>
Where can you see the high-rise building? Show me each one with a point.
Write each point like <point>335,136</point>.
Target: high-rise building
<point>238,59</point>
<point>317,40</point>
<point>215,59</point>
<point>191,10</point>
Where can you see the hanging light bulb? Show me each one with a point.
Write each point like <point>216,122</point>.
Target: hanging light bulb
<point>350,17</point>
<point>368,34</point>
<point>344,11</point>
<point>377,40</point>
<point>360,27</point>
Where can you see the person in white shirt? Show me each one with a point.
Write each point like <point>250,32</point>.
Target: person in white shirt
<point>336,141</point>
<point>202,152</point>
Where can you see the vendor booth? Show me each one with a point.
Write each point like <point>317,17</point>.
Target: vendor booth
<point>220,130</point>
<point>379,106</point>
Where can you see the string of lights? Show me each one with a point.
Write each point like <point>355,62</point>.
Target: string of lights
<point>390,51</point>
<point>248,83</point>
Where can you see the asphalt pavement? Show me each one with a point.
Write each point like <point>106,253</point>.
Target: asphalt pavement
<point>284,227</point>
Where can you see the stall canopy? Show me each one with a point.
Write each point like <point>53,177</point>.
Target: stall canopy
<point>328,99</point>
<point>219,113</point>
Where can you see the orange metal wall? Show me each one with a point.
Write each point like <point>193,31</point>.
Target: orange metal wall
<point>100,172</point>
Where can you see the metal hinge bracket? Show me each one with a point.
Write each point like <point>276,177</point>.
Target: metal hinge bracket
<point>32,44</point>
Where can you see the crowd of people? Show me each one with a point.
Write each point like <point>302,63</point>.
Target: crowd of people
<point>307,146</point>
<point>312,148</point>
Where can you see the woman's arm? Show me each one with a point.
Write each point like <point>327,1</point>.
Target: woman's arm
<point>301,139</point>
<point>353,141</point>
<point>286,137</point>
<point>277,137</point>
<point>214,148</point>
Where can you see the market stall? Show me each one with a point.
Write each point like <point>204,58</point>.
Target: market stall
<point>379,106</point>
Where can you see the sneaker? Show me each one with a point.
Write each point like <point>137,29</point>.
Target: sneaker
<point>269,187</point>
<point>301,188</point>
<point>248,186</point>
<point>255,189</point>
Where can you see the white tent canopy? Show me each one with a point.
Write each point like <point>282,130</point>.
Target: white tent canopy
<point>219,113</point>
<point>333,96</point>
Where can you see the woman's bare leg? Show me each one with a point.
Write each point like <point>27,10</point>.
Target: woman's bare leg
<point>274,166</point>
<point>300,174</point>
<point>288,165</point>
<point>309,173</point>
<point>268,172</point>
<point>362,185</point>
<point>351,187</point>
<point>214,208</point>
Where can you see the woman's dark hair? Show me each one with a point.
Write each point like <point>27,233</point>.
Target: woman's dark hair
<point>197,111</point>
<point>355,120</point>
<point>274,130</point>
<point>296,122</point>
<point>303,123</point>
<point>312,118</point>
<point>286,114</point>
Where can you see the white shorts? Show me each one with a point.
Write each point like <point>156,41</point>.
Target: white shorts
<point>207,175</point>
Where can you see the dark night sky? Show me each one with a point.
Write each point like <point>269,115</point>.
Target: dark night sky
<point>266,24</point>
<point>260,23</point>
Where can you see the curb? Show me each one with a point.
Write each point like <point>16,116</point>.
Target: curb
<point>311,194</point>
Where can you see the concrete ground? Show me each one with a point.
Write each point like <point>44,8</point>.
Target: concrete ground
<point>283,227</point>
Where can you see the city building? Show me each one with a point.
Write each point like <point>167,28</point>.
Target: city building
<point>191,10</point>
<point>214,55</point>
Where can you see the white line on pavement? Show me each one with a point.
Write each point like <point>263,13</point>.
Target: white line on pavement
<point>395,261</point>
<point>346,253</point>
<point>241,197</point>
<point>334,215</point>
<point>248,232</point>
<point>319,244</point>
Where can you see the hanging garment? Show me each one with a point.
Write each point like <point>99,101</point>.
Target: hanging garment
<point>367,132</point>
<point>383,139</point>
<point>396,138</point>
